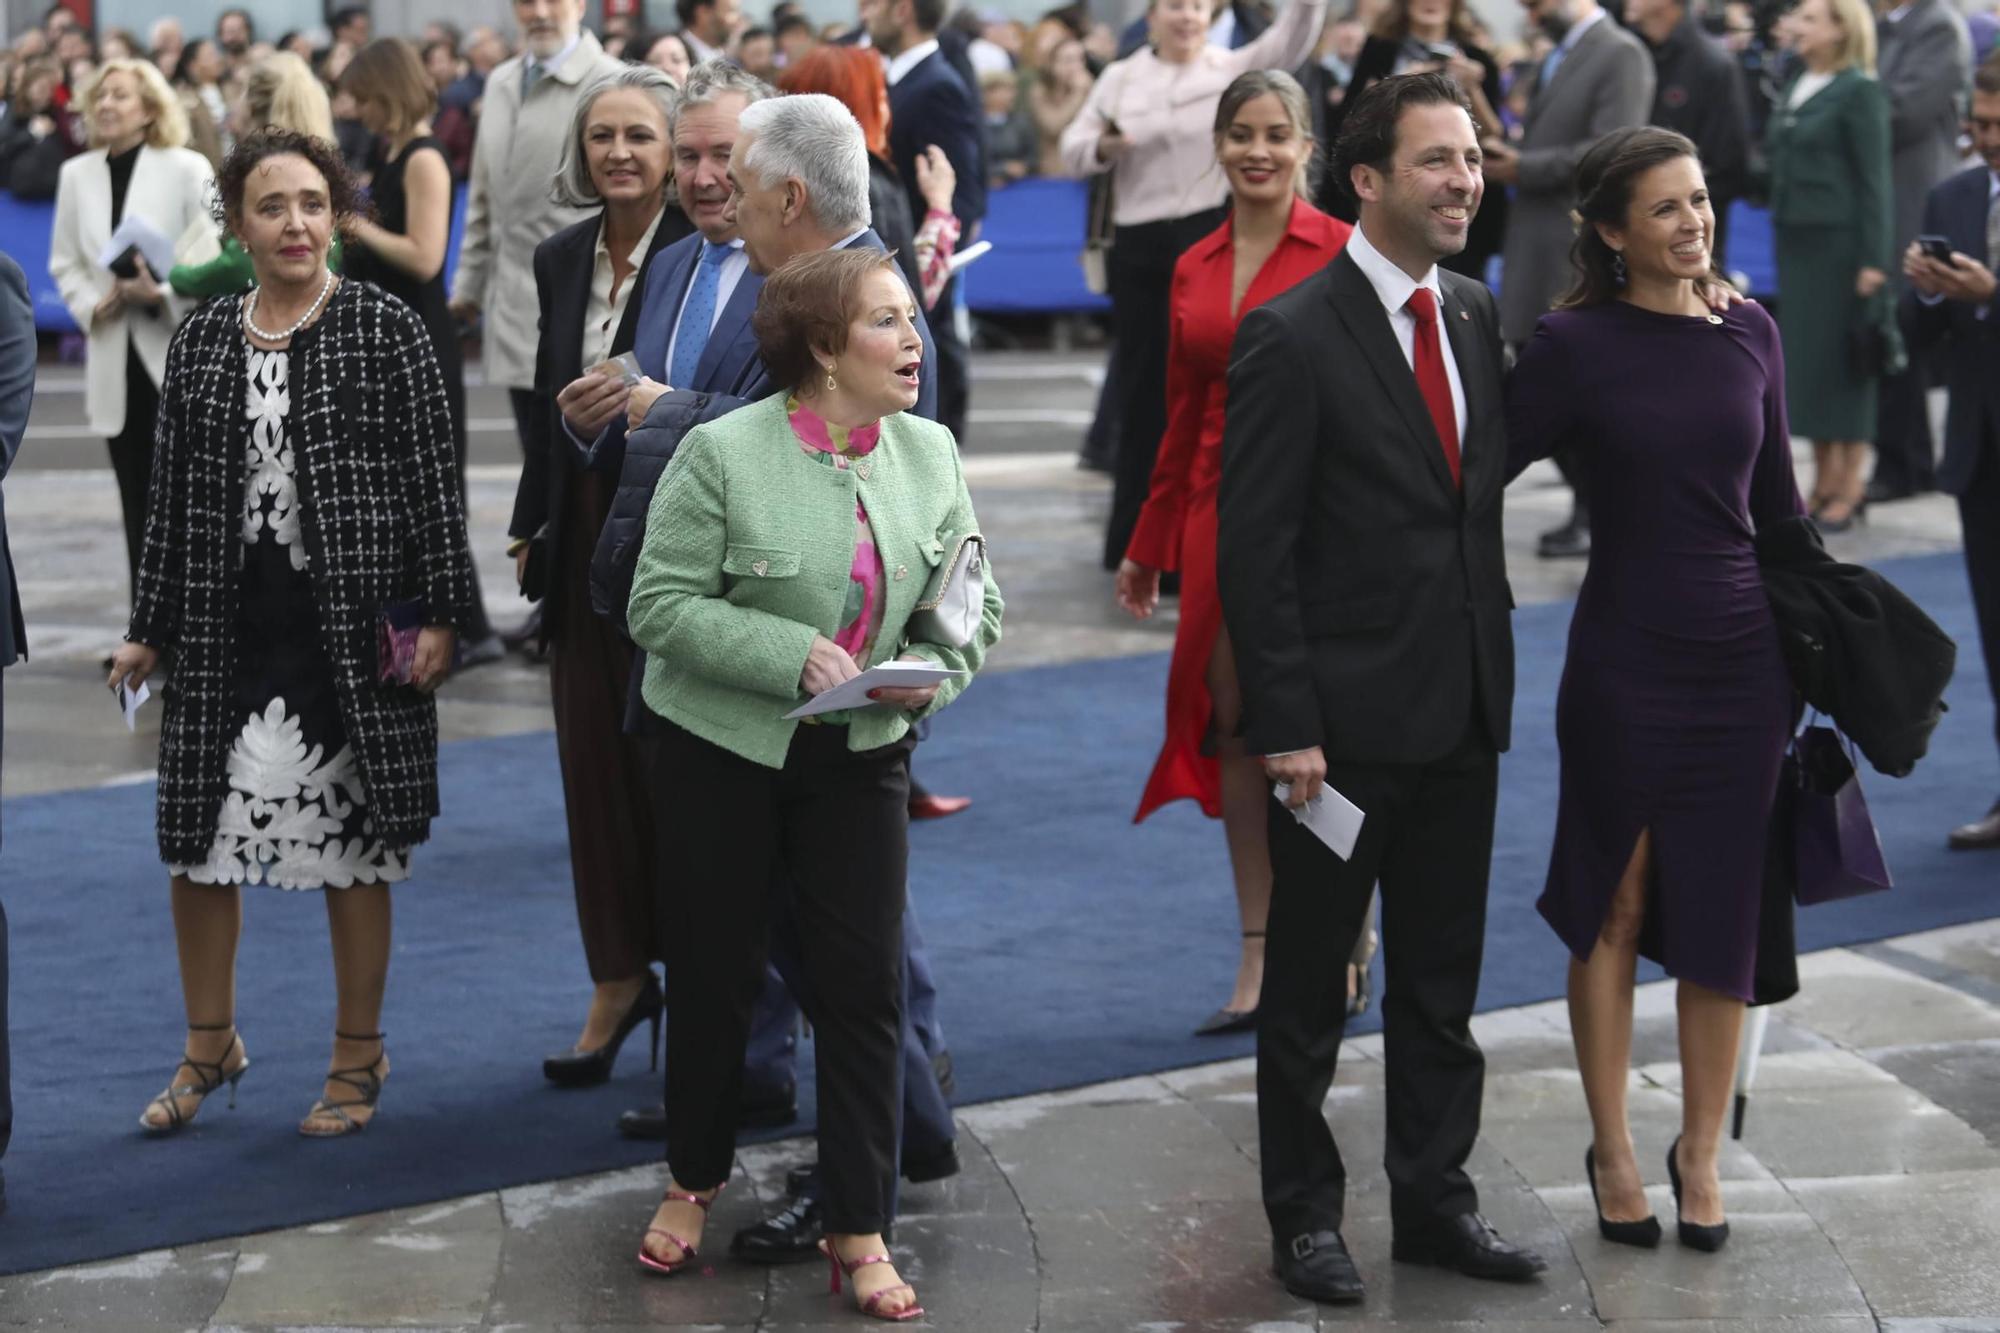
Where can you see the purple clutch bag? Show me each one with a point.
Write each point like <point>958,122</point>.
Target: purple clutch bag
<point>396,641</point>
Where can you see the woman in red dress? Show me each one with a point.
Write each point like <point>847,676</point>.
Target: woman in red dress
<point>1272,240</point>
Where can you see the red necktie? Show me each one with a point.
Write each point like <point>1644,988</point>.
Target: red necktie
<point>1432,380</point>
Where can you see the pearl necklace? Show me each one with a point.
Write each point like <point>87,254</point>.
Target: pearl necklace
<point>250,305</point>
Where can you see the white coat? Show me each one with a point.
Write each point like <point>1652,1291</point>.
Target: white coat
<point>170,189</point>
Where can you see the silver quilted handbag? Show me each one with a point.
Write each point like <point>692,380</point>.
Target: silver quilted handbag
<point>952,606</point>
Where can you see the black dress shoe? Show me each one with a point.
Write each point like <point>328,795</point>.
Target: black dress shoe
<point>1316,1266</point>
<point>922,1169</point>
<point>644,1122</point>
<point>1470,1245</point>
<point>1571,541</point>
<point>789,1236</point>
<point>1980,834</point>
<point>1224,1022</point>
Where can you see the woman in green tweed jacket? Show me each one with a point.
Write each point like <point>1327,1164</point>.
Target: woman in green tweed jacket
<point>1831,210</point>
<point>787,546</point>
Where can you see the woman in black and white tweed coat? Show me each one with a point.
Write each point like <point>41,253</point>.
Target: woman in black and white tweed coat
<point>303,482</point>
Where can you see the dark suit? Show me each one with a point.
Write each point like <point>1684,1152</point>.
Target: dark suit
<point>931,104</point>
<point>1366,597</point>
<point>729,375</point>
<point>1969,345</point>
<point>1700,94</point>
<point>606,794</point>
<point>1925,67</point>
<point>17,388</point>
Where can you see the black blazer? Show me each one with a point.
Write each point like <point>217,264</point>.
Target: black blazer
<point>563,269</point>
<point>1366,596</point>
<point>1957,209</point>
<point>932,105</point>
<point>1376,62</point>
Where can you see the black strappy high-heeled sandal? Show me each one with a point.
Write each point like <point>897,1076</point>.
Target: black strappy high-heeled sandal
<point>212,1075</point>
<point>365,1079</point>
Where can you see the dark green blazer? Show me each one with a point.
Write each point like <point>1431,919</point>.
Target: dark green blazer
<point>1829,163</point>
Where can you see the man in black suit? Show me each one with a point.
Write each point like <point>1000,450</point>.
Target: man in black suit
<point>1952,306</point>
<point>1699,93</point>
<point>930,103</point>
<point>1365,589</point>
<point>17,389</point>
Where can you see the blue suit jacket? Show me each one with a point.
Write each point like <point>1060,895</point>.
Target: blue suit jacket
<point>1957,209</point>
<point>932,105</point>
<point>731,345</point>
<point>17,389</point>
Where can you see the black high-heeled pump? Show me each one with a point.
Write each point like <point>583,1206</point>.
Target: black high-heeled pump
<point>585,1069</point>
<point>1693,1235</point>
<point>1644,1233</point>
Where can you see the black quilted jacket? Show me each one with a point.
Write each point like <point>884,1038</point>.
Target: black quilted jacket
<point>378,491</point>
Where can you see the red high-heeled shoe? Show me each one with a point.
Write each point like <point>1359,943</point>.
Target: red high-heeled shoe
<point>664,1269</point>
<point>867,1305</point>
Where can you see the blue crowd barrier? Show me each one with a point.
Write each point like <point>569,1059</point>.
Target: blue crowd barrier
<point>1037,228</point>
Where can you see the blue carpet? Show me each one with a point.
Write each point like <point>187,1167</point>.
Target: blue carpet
<point>1072,948</point>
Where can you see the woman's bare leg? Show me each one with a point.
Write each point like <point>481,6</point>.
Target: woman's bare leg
<point>1244,793</point>
<point>1711,1025</point>
<point>1600,1021</point>
<point>358,921</point>
<point>208,920</point>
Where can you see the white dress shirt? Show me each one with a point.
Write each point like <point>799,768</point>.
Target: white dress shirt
<point>908,60</point>
<point>733,269</point>
<point>601,316</point>
<point>1394,286</point>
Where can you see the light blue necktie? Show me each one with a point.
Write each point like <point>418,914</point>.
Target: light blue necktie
<point>1550,63</point>
<point>697,315</point>
<point>531,74</point>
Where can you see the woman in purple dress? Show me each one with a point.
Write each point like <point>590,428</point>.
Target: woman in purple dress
<point>1675,705</point>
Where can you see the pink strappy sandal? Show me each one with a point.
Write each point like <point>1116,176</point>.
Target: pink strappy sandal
<point>868,1305</point>
<point>652,1265</point>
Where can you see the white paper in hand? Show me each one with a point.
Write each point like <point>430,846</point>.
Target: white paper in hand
<point>854,693</point>
<point>137,233</point>
<point>129,701</point>
<point>1333,819</point>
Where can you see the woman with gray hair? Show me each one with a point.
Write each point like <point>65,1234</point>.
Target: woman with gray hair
<point>590,278</point>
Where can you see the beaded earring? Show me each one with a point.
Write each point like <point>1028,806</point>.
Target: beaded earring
<point>1618,268</point>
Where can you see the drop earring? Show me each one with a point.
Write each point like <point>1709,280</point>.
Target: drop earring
<point>830,385</point>
<point>1618,268</point>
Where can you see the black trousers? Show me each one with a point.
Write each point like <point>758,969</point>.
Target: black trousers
<point>839,822</point>
<point>1142,277</point>
<point>1979,512</point>
<point>954,363</point>
<point>1428,838</point>
<point>132,458</point>
<point>1905,454</point>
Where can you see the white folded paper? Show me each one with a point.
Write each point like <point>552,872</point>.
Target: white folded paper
<point>854,693</point>
<point>960,258</point>
<point>1333,819</point>
<point>136,232</point>
<point>129,701</point>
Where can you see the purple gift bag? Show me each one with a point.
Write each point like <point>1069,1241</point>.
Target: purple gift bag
<point>1839,854</point>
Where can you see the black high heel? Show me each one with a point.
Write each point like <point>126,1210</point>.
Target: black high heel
<point>1226,1021</point>
<point>212,1074</point>
<point>1693,1234</point>
<point>585,1069</point>
<point>1644,1233</point>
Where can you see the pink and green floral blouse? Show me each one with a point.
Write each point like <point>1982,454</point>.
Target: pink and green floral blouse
<point>838,447</point>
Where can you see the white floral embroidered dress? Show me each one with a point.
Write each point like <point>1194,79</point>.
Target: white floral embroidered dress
<point>296,815</point>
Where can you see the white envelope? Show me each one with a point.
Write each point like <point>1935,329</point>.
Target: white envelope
<point>854,693</point>
<point>1333,819</point>
<point>137,232</point>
